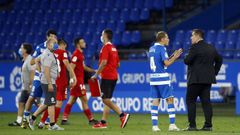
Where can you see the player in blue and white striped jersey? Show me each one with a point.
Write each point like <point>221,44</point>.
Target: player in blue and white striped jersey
<point>160,81</point>
<point>36,86</point>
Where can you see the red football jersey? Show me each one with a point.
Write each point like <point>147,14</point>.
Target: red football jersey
<point>109,53</point>
<point>62,78</point>
<point>78,60</point>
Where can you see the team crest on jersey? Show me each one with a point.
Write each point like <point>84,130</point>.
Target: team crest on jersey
<point>65,55</point>
<point>114,49</point>
<point>74,59</point>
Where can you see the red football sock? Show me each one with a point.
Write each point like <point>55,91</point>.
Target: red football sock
<point>57,112</point>
<point>67,111</point>
<point>45,116</point>
<point>88,114</point>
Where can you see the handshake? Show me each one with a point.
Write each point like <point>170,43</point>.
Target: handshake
<point>176,54</point>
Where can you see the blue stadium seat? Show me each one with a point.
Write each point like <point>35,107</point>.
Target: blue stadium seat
<point>221,36</point>
<point>211,36</point>
<point>227,55</point>
<point>148,4</point>
<point>82,28</point>
<point>7,27</point>
<point>134,15</point>
<point>232,36</point>
<point>132,56</point>
<point>186,45</point>
<point>30,38</point>
<point>29,15</point>
<point>180,35</point>
<point>48,15</point>
<point>16,27</point>
<point>101,26</point>
<point>111,25</point>
<point>96,14</point>
<point>87,37</point>
<point>138,4</point>
<point>73,26</point>
<point>219,45</point>
<point>128,4</point>
<point>125,15</point>
<point>100,3</point>
<point>62,4</point>
<point>92,26</point>
<point>3,15</point>
<point>44,26</point>
<point>176,45</point>
<point>58,15</point>
<point>142,56</point>
<point>54,4</point>
<point>21,38</point>
<point>35,26</point>
<point>63,27</point>
<point>158,4</point>
<point>91,4</point>
<point>238,45</point>
<point>2,39</point>
<point>136,37</point>
<point>110,4</point>
<point>86,14</point>
<point>45,4</point>
<point>35,4</point>
<point>115,14</point>
<point>69,37</point>
<point>117,38</point>
<point>54,25</point>
<point>119,4</point>
<point>121,25</point>
<point>73,4</point>
<point>68,15</point>
<point>21,15</point>
<point>105,15</point>
<point>126,38</point>
<point>236,55</point>
<point>144,15</point>
<point>96,38</point>
<point>77,15</point>
<point>230,45</point>
<point>11,16</point>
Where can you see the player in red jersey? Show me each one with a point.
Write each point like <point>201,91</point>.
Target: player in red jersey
<point>62,79</point>
<point>79,91</point>
<point>108,64</point>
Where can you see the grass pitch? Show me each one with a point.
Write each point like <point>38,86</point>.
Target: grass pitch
<point>139,124</point>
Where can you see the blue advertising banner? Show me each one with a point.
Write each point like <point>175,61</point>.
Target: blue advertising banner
<point>132,90</point>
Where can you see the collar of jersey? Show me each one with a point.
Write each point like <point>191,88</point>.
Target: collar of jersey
<point>158,44</point>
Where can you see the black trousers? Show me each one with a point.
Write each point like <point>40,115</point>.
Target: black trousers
<point>202,91</point>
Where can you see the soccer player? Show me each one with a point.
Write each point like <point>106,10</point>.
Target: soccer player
<point>36,92</point>
<point>79,91</point>
<point>108,64</point>
<point>27,78</point>
<point>62,80</point>
<point>160,81</point>
<point>49,73</point>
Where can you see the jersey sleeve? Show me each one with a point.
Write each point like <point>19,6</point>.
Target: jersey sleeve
<point>163,53</point>
<point>74,59</point>
<point>31,67</point>
<point>105,53</point>
<point>36,53</point>
<point>65,56</point>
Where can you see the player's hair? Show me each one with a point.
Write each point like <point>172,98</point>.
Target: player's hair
<point>198,32</point>
<point>160,35</point>
<point>62,41</point>
<point>27,47</point>
<point>109,34</point>
<point>51,31</point>
<point>76,41</point>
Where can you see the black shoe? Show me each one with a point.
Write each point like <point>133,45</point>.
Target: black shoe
<point>13,124</point>
<point>190,129</point>
<point>93,122</point>
<point>206,129</point>
<point>65,122</point>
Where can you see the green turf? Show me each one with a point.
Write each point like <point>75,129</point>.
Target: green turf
<point>139,124</point>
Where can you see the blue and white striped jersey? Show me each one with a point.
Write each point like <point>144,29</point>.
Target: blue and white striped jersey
<point>157,56</point>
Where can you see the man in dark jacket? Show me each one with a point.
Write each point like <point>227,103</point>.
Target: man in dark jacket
<point>203,63</point>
